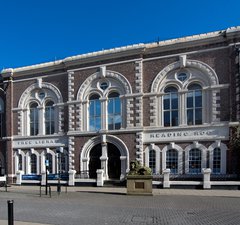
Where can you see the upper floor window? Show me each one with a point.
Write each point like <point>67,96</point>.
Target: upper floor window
<point>170,107</point>
<point>34,129</point>
<point>49,118</point>
<point>94,113</point>
<point>114,111</point>
<point>194,104</point>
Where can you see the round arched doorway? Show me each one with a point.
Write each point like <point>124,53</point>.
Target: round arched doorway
<point>113,161</point>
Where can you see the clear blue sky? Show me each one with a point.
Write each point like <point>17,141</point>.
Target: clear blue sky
<point>37,31</point>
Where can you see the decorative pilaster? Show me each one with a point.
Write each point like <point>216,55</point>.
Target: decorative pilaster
<point>71,110</point>
<point>71,151</point>
<point>139,147</point>
<point>130,113</point>
<point>20,122</point>
<point>139,89</point>
<point>153,111</point>
<point>215,106</point>
<point>60,119</point>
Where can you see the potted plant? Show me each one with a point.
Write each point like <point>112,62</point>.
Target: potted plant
<point>139,179</point>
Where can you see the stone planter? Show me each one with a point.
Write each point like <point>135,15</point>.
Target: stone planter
<point>139,185</point>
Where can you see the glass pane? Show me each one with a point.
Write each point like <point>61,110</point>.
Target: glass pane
<point>174,101</point>
<point>98,108</point>
<point>189,100</point>
<point>166,102</point>
<point>110,106</point>
<point>175,118</point>
<point>166,119</point>
<point>190,117</point>
<point>198,116</point>
<point>117,105</point>
<point>91,108</point>
<point>98,123</point>
<point>198,99</point>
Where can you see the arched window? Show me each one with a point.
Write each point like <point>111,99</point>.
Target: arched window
<point>20,161</point>
<point>172,160</point>
<point>50,162</point>
<point>94,113</point>
<point>195,160</point>
<point>217,160</point>
<point>33,164</point>
<point>170,107</point>
<point>194,104</point>
<point>114,111</point>
<point>49,118</point>
<point>152,161</point>
<point>34,119</point>
<point>1,117</point>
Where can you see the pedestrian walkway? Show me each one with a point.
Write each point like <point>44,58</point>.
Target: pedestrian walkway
<point>123,190</point>
<point>5,222</point>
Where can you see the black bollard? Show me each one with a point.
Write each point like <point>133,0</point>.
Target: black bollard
<point>10,212</point>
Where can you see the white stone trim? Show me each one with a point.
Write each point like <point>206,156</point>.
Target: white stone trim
<point>203,150</point>
<point>224,148</point>
<point>71,153</point>
<point>158,157</point>
<point>180,156</point>
<point>124,153</point>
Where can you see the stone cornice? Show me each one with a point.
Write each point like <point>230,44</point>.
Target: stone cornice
<point>131,50</point>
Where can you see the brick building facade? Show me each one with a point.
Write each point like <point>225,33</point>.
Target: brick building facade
<point>170,104</point>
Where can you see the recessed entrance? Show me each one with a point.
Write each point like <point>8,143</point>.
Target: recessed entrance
<point>113,163</point>
<point>95,162</point>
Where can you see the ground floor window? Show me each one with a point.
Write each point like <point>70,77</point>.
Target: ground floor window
<point>195,160</point>
<point>172,160</point>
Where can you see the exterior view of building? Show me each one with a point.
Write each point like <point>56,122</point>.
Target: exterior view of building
<point>170,105</point>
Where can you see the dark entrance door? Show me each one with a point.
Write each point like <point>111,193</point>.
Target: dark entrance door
<point>95,162</point>
<point>114,162</point>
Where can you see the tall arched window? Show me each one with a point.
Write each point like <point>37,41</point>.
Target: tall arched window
<point>217,160</point>
<point>34,119</point>
<point>172,160</point>
<point>50,162</point>
<point>94,113</point>
<point>195,161</point>
<point>33,164</point>
<point>170,107</point>
<point>20,162</point>
<point>114,111</point>
<point>152,160</point>
<point>49,118</point>
<point>194,104</point>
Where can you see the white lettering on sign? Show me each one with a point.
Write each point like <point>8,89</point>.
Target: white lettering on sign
<point>204,133</point>
<point>38,143</point>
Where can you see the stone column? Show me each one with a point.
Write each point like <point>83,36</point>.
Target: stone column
<point>71,179</point>
<point>100,178</point>
<point>166,180</point>
<point>206,178</point>
<point>19,177</point>
<point>104,160</point>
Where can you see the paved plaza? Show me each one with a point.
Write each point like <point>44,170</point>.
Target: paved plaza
<point>111,206</point>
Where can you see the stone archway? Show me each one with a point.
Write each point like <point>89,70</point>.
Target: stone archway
<point>112,154</point>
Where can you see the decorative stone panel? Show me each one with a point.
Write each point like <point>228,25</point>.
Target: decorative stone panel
<point>71,151</point>
<point>139,147</point>
<point>130,112</point>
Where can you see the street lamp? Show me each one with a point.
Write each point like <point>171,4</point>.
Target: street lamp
<point>59,152</point>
